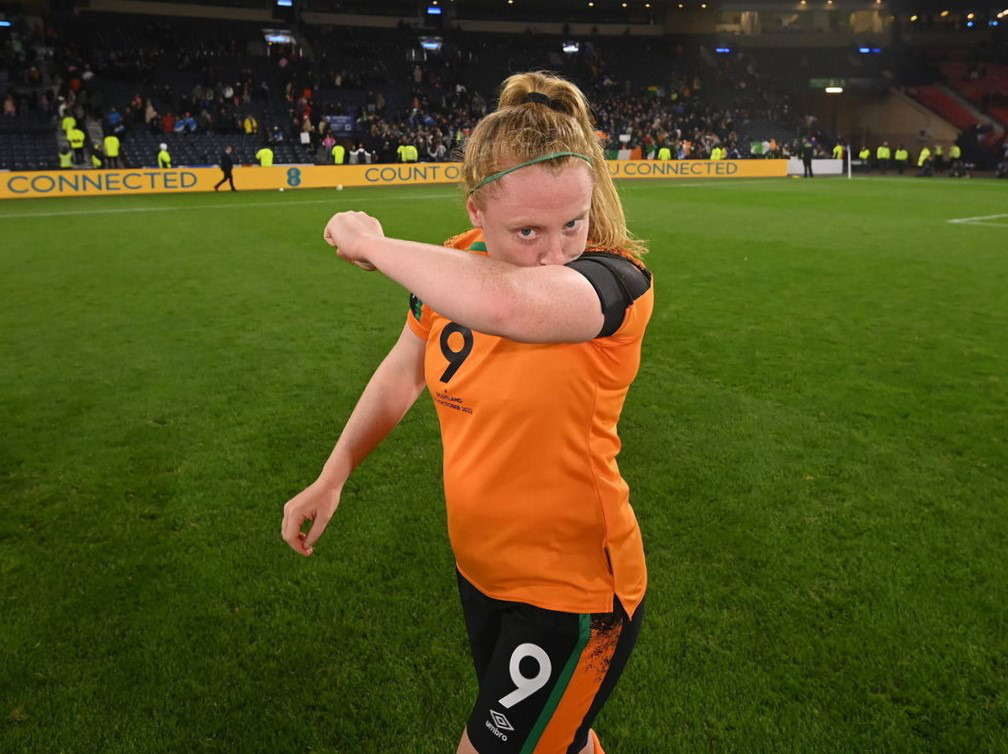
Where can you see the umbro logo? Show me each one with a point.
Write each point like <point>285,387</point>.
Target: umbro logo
<point>499,725</point>
<point>500,721</point>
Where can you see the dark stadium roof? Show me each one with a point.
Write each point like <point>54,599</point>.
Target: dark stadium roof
<point>592,11</point>
<point>614,9</point>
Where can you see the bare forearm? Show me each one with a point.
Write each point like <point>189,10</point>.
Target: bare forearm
<point>536,303</point>
<point>467,288</point>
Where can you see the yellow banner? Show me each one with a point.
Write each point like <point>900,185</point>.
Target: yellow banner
<point>698,168</point>
<point>185,180</point>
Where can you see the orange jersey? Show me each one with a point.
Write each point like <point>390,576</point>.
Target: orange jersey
<point>537,509</point>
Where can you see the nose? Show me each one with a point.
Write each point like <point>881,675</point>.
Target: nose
<point>554,251</point>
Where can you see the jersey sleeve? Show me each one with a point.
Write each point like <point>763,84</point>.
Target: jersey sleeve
<point>619,284</point>
<point>420,315</point>
<point>418,319</point>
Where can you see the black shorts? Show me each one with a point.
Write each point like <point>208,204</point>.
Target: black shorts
<point>543,675</point>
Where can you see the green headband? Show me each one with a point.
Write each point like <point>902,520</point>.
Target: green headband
<point>544,158</point>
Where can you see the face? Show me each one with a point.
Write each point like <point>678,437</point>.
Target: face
<point>534,216</point>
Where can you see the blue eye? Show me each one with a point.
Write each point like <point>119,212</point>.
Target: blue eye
<point>526,232</point>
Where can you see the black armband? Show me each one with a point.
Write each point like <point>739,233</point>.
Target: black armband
<point>618,283</point>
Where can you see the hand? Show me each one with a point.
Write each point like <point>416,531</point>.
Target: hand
<point>349,232</point>
<point>317,504</point>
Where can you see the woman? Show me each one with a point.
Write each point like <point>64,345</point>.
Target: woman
<point>527,331</point>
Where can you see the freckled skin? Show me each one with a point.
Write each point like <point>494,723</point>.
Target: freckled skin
<point>534,216</point>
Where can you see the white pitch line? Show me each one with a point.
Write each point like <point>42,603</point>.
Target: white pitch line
<point>333,201</point>
<point>978,220</point>
<point>987,225</point>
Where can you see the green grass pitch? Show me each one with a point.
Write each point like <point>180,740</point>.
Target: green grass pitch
<point>816,446</point>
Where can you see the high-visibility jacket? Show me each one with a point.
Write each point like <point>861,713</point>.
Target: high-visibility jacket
<point>265,157</point>
<point>717,153</point>
<point>112,145</point>
<point>163,159</point>
<point>338,154</point>
<point>883,153</point>
<point>955,152</point>
<point>76,137</point>
<point>68,122</point>
<point>902,155</point>
<point>923,157</point>
<point>838,152</point>
<point>66,159</point>
<point>864,154</point>
<point>96,160</point>
<point>664,153</point>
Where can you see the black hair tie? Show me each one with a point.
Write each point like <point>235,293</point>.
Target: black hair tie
<point>542,99</point>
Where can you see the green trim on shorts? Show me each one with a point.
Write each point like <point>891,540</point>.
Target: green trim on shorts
<point>584,633</point>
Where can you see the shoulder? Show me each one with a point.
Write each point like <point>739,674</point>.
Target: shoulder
<point>465,240</point>
<point>632,277</point>
<point>619,282</point>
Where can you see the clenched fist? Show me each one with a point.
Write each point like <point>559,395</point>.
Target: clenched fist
<point>349,233</point>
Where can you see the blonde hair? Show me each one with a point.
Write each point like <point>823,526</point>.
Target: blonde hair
<point>524,129</point>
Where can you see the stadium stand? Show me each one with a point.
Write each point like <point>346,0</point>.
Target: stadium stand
<point>192,87</point>
<point>943,103</point>
<point>984,85</point>
<point>27,142</point>
<point>200,85</point>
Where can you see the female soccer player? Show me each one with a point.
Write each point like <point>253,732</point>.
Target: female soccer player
<point>527,332</point>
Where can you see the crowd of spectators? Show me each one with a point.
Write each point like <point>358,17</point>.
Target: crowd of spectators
<point>280,101</point>
<point>353,92</point>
